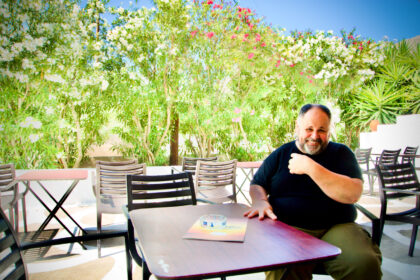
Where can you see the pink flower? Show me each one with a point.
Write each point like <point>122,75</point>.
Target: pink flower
<point>257,37</point>
<point>246,35</point>
<point>301,73</point>
<point>263,44</point>
<point>278,63</point>
<point>193,33</point>
<point>292,65</point>
<point>252,112</point>
<point>209,2</point>
<point>237,110</point>
<point>233,36</point>
<point>310,81</point>
<point>250,26</point>
<point>238,119</point>
<point>210,34</point>
<point>251,55</point>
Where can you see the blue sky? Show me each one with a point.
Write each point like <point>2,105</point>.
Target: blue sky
<point>374,19</point>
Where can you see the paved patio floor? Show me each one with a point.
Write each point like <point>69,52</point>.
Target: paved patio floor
<point>71,261</point>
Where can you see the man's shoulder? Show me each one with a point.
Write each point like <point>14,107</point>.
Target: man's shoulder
<point>339,148</point>
<point>284,148</point>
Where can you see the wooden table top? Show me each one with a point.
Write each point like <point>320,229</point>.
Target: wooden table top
<point>268,244</point>
<point>249,164</point>
<point>54,174</point>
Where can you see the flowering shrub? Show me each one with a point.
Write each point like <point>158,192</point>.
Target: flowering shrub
<point>210,71</point>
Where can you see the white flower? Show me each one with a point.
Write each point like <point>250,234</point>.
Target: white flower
<point>97,64</point>
<point>23,78</point>
<point>54,78</point>
<point>34,137</point>
<point>30,121</point>
<point>104,85</point>
<point>49,110</point>
<point>27,64</point>
<point>1,127</point>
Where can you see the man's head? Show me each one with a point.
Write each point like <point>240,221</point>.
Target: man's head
<point>313,128</point>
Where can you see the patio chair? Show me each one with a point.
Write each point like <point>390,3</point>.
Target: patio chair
<point>146,191</point>
<point>12,265</point>
<point>110,188</point>
<point>189,164</point>
<point>395,182</point>
<point>363,159</point>
<point>10,195</point>
<point>215,182</point>
<point>409,155</point>
<point>387,157</point>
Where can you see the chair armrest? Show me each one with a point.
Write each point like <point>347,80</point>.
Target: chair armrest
<point>125,211</point>
<point>205,201</point>
<point>175,170</point>
<point>412,192</point>
<point>9,186</point>
<point>376,236</point>
<point>66,240</point>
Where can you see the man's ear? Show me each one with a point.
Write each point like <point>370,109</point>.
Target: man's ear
<point>296,128</point>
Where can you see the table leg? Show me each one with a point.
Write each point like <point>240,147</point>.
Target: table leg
<point>247,178</point>
<point>62,208</point>
<point>53,212</point>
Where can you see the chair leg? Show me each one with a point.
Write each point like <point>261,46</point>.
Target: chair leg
<point>16,217</point>
<point>146,271</point>
<point>99,231</point>
<point>128,259</point>
<point>25,221</point>
<point>413,240</point>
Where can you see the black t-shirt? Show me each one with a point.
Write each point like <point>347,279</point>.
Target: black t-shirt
<point>296,199</point>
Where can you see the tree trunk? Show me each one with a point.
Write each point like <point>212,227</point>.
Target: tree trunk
<point>174,139</point>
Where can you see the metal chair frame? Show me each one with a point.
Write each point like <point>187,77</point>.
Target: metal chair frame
<point>110,188</point>
<point>395,182</point>
<point>211,180</point>
<point>147,191</point>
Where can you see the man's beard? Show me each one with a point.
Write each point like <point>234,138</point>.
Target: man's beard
<point>310,149</point>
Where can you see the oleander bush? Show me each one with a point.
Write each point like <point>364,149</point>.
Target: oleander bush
<point>210,75</point>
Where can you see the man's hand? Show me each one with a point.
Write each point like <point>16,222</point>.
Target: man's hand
<point>261,208</point>
<point>299,164</point>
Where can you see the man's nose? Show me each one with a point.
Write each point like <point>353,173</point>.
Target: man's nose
<point>315,135</point>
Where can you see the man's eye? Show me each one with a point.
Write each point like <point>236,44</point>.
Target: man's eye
<point>309,130</point>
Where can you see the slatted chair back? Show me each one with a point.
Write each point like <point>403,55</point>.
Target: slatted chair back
<point>147,191</point>
<point>388,157</point>
<point>111,192</point>
<point>9,195</point>
<point>111,188</point>
<point>409,155</point>
<point>189,163</point>
<point>363,158</point>
<point>215,182</point>
<point>11,258</point>
<point>399,181</point>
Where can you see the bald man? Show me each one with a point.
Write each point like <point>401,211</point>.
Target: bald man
<point>311,184</point>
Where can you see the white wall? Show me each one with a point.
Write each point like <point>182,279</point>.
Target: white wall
<point>406,132</point>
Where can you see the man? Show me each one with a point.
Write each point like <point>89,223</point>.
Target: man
<point>311,184</point>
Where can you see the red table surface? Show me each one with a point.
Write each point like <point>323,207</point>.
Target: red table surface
<point>268,244</point>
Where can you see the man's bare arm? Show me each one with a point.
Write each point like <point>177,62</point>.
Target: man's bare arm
<point>260,205</point>
<point>337,186</point>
